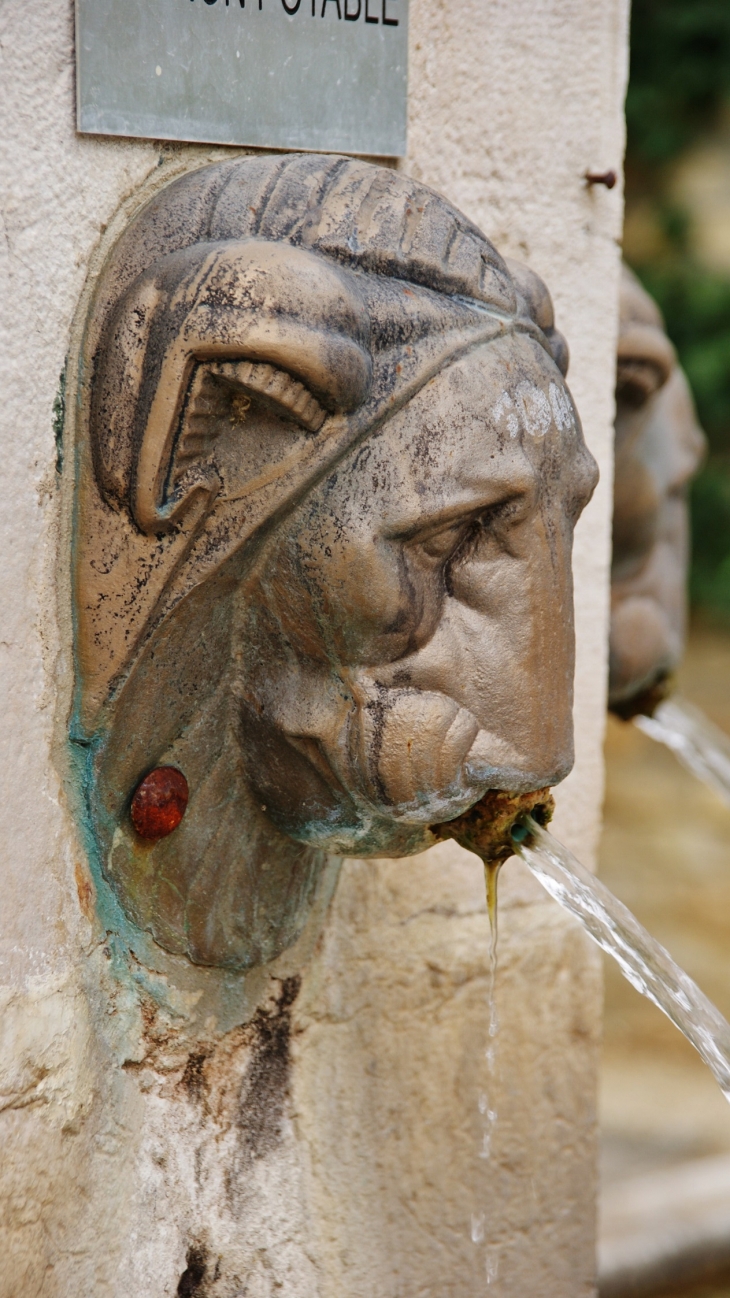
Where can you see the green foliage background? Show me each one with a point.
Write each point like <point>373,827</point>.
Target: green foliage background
<point>679,92</point>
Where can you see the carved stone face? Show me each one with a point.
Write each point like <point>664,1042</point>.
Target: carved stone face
<point>659,446</point>
<point>407,643</point>
<point>326,505</point>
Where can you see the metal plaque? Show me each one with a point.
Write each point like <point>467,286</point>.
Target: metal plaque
<point>288,74</point>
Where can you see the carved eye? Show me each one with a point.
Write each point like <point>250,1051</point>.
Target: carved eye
<point>443,543</point>
<point>488,526</point>
<point>458,539</point>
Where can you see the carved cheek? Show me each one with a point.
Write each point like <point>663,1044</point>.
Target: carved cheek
<point>379,624</point>
<point>493,579</point>
<point>486,582</point>
<point>282,604</point>
<point>523,591</point>
<point>365,598</point>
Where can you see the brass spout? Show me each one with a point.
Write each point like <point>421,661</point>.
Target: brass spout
<point>486,829</point>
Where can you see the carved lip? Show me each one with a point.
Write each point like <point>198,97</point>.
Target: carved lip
<point>486,829</point>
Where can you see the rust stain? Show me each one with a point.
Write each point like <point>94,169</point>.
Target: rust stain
<point>85,890</point>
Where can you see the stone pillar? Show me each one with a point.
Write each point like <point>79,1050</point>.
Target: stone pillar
<point>315,1128</point>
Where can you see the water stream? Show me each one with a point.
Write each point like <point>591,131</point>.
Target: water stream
<point>643,961</point>
<point>491,874</point>
<point>649,968</point>
<point>698,744</point>
<point>486,1097</point>
<point>487,1112</point>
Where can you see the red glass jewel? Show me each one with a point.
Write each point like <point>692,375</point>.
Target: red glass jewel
<point>159,802</point>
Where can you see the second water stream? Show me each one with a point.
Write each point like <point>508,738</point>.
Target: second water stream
<point>697,743</point>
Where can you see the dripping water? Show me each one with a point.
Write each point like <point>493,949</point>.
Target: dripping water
<point>491,874</point>
<point>643,961</point>
<point>487,1112</point>
<point>698,744</point>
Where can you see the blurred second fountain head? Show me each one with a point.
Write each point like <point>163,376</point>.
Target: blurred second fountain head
<point>659,446</point>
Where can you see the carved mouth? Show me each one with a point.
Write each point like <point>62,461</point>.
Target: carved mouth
<point>486,829</point>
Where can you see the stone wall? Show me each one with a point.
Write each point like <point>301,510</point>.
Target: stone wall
<point>314,1129</point>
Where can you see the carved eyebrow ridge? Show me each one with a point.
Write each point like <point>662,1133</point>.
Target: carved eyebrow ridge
<point>520,487</point>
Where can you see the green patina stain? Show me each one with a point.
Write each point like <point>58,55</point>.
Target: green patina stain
<point>58,418</point>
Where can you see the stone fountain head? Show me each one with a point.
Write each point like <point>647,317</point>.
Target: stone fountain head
<point>659,446</point>
<point>328,479</point>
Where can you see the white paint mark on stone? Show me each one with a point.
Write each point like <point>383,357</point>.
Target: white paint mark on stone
<point>561,407</point>
<point>534,407</point>
<point>532,411</point>
<point>504,409</point>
